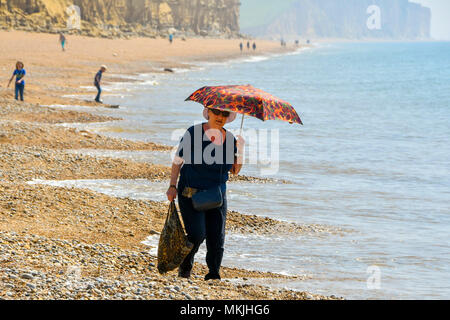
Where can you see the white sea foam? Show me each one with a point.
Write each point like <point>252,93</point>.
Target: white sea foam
<point>152,242</point>
<point>62,106</point>
<point>78,96</point>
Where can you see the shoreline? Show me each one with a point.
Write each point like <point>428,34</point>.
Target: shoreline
<point>75,68</point>
<point>34,147</point>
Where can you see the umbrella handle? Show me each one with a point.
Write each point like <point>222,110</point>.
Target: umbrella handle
<point>242,124</point>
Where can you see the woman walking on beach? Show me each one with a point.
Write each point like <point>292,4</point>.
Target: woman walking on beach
<point>205,156</point>
<point>19,73</point>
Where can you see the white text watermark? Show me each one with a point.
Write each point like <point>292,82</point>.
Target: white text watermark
<point>261,148</point>
<point>374,279</point>
<point>74,20</point>
<point>374,20</point>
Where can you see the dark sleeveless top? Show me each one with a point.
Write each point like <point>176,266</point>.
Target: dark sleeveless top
<point>204,167</point>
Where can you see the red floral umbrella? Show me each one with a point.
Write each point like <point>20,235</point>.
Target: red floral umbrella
<point>246,100</point>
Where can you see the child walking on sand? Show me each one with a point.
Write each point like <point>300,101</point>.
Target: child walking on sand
<point>97,82</point>
<point>19,73</point>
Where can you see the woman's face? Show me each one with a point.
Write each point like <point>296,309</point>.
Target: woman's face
<point>19,66</point>
<point>216,121</point>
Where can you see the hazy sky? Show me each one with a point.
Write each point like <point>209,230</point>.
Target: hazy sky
<point>440,20</point>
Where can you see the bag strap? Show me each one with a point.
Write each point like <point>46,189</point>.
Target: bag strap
<point>172,208</point>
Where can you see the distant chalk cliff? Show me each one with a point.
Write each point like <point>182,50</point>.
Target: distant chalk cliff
<point>350,19</point>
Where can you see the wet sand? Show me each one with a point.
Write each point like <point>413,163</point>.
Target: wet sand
<point>52,73</point>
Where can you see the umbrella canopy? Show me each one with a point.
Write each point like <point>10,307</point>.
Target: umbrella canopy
<point>246,100</point>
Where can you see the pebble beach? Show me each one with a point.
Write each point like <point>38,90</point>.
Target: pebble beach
<point>71,244</point>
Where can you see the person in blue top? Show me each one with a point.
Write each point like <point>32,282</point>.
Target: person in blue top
<point>62,40</point>
<point>171,38</point>
<point>205,156</point>
<point>97,83</point>
<point>19,73</point>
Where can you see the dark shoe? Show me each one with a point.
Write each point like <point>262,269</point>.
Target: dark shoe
<point>184,273</point>
<point>212,276</point>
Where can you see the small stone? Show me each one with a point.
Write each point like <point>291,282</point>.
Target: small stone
<point>96,291</point>
<point>31,286</point>
<point>27,276</point>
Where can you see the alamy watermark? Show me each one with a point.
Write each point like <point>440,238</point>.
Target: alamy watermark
<point>374,279</point>
<point>261,148</point>
<point>73,277</point>
<point>74,20</point>
<point>374,20</point>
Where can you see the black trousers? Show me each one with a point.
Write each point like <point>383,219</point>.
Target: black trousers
<point>209,225</point>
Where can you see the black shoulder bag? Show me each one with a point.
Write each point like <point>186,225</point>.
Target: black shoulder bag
<point>212,198</point>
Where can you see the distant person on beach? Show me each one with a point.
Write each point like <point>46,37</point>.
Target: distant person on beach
<point>63,41</point>
<point>170,38</point>
<point>241,46</point>
<point>19,73</point>
<point>254,46</point>
<point>97,83</point>
<point>296,42</point>
<point>248,45</point>
<point>197,173</point>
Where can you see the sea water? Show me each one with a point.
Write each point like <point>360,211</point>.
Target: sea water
<point>373,157</point>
